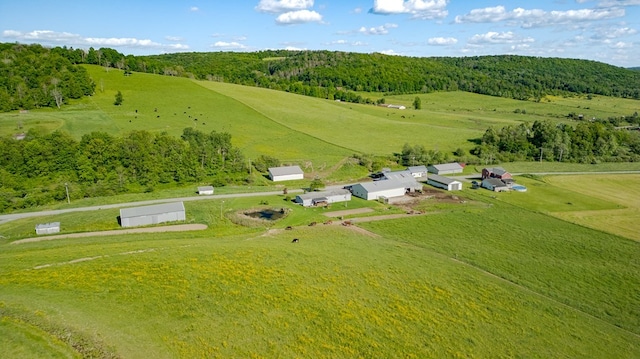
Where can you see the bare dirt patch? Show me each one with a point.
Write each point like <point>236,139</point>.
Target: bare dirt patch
<point>176,228</point>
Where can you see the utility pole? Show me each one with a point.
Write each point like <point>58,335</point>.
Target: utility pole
<point>66,187</point>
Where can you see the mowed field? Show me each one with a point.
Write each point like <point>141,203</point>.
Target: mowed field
<point>291,127</point>
<point>491,276</point>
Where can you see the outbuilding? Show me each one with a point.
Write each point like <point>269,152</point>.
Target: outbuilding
<point>385,188</point>
<point>323,198</point>
<point>48,228</point>
<point>418,171</point>
<point>494,184</point>
<point>286,173</point>
<point>205,190</point>
<point>447,183</point>
<point>496,172</point>
<point>147,215</point>
<point>445,168</point>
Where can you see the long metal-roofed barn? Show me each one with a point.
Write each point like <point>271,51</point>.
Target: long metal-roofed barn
<point>324,197</point>
<point>285,173</point>
<point>154,214</point>
<point>48,228</point>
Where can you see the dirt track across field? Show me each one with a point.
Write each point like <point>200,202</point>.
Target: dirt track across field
<point>176,228</point>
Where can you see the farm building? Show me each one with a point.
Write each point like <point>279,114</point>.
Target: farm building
<point>286,173</point>
<point>447,183</point>
<point>48,228</point>
<point>398,107</point>
<point>494,184</point>
<point>385,188</point>
<point>445,168</point>
<point>159,213</point>
<point>404,175</point>
<point>321,198</point>
<point>495,172</point>
<point>418,171</point>
<point>205,190</point>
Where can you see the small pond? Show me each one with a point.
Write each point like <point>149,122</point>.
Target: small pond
<point>268,214</point>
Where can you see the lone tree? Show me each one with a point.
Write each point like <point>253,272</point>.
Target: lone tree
<point>417,103</point>
<point>119,99</point>
<point>316,184</point>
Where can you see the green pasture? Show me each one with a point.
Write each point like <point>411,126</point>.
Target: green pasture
<point>336,293</point>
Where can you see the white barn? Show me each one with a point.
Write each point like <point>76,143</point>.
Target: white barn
<point>447,183</point>
<point>418,171</point>
<point>445,168</point>
<point>205,190</point>
<point>325,197</point>
<point>385,188</point>
<point>48,228</point>
<point>159,213</point>
<point>286,173</point>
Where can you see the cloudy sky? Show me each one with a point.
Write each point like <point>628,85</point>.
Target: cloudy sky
<point>601,30</point>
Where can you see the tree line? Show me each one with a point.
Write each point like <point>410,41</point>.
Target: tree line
<point>33,171</point>
<point>29,73</point>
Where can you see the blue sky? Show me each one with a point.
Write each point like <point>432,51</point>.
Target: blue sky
<point>601,30</point>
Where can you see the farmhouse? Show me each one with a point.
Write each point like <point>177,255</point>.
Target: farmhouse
<point>286,173</point>
<point>418,171</point>
<point>322,198</point>
<point>495,172</point>
<point>48,228</point>
<point>445,168</point>
<point>449,184</point>
<point>494,184</point>
<point>159,213</point>
<point>205,190</point>
<point>386,188</point>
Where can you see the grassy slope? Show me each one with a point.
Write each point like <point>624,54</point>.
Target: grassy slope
<point>334,294</point>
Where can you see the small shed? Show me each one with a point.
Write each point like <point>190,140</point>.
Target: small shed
<point>418,171</point>
<point>159,213</point>
<point>205,190</point>
<point>48,228</point>
<point>495,172</point>
<point>286,173</point>
<point>494,184</point>
<point>385,188</point>
<point>446,168</point>
<point>324,197</point>
<point>447,183</point>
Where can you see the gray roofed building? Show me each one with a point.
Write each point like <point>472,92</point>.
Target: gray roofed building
<point>418,171</point>
<point>324,197</point>
<point>385,188</point>
<point>154,214</point>
<point>494,184</point>
<point>447,183</point>
<point>445,168</point>
<point>205,190</point>
<point>48,228</point>
<point>399,175</point>
<point>285,173</point>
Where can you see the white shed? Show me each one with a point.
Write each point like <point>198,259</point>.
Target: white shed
<point>286,173</point>
<point>205,190</point>
<point>445,168</point>
<point>418,171</point>
<point>159,213</point>
<point>447,183</point>
<point>48,228</point>
<point>385,188</point>
<point>325,197</point>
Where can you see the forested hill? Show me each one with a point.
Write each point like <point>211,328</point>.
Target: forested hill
<point>33,76</point>
<point>324,73</point>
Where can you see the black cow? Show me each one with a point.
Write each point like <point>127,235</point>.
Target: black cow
<point>295,240</point>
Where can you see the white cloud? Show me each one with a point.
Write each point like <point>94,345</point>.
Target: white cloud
<point>420,9</point>
<point>357,10</point>
<point>69,39</point>
<point>442,41</point>
<point>537,17</point>
<point>294,48</point>
<point>493,37</point>
<point>229,45</point>
<point>194,9</point>
<point>613,33</point>
<point>347,43</point>
<point>378,30</point>
<point>173,38</point>
<point>616,3</point>
<point>298,17</point>
<point>281,6</point>
<point>390,52</point>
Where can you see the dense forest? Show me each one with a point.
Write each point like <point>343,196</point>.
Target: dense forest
<point>34,76</point>
<point>34,171</point>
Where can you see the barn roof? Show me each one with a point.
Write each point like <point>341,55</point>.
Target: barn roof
<point>285,170</point>
<point>399,175</point>
<point>417,169</point>
<point>388,184</point>
<point>495,182</point>
<point>48,225</point>
<point>442,179</point>
<point>316,195</point>
<point>448,167</point>
<point>497,171</point>
<point>205,188</point>
<point>151,210</point>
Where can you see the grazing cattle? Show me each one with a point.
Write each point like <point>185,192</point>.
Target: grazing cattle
<point>289,228</point>
<point>158,116</point>
<point>312,224</point>
<point>328,222</point>
<point>295,240</point>
<point>346,223</point>
<point>136,110</point>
